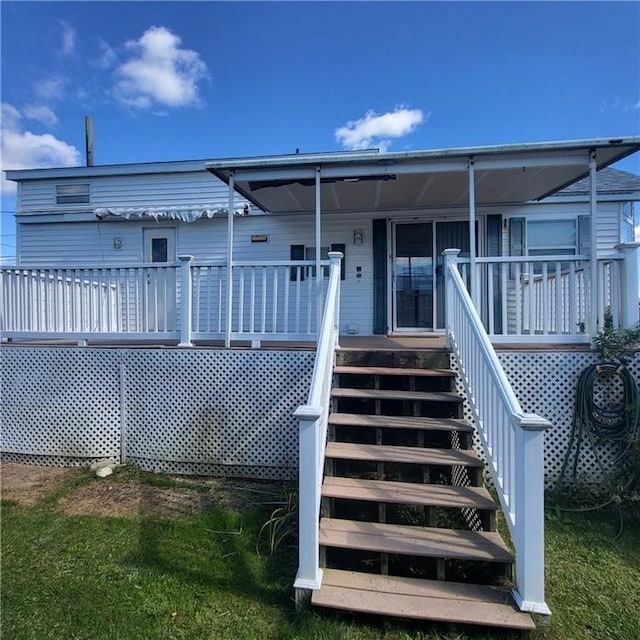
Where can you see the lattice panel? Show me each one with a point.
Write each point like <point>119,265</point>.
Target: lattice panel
<point>215,407</point>
<point>60,402</point>
<point>212,412</point>
<point>545,383</point>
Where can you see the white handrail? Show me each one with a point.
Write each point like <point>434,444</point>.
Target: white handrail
<point>312,418</point>
<point>512,440</point>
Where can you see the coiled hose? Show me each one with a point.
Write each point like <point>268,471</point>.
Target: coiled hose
<point>593,423</point>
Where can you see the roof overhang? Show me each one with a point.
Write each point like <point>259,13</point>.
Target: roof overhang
<point>373,181</point>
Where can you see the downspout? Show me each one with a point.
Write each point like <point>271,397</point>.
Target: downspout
<point>227,338</point>
<point>594,242</point>
<point>318,257</point>
<point>473,283</point>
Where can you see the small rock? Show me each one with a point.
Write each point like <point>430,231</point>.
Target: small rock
<point>103,472</point>
<point>100,464</point>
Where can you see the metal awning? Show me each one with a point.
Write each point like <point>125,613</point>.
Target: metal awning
<point>184,213</point>
<point>372,181</point>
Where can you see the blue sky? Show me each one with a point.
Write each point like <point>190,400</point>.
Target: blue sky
<point>187,80</point>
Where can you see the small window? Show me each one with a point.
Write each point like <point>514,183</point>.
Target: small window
<point>627,233</point>
<point>159,250</point>
<point>302,252</point>
<point>72,194</point>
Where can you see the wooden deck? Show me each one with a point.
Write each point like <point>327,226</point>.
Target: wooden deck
<point>426,342</point>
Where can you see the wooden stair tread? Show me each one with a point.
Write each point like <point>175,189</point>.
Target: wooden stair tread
<point>435,495</point>
<point>399,422</point>
<point>415,455</point>
<point>393,394</point>
<point>432,542</point>
<point>419,599</point>
<point>393,371</point>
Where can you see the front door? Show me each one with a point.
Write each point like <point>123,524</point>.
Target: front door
<point>160,289</point>
<point>412,276</point>
<point>418,271</point>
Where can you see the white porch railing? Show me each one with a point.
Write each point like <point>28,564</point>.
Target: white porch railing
<point>313,419</point>
<point>548,298</point>
<point>182,301</point>
<point>512,440</point>
<point>82,302</point>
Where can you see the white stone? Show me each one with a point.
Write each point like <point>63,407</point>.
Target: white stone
<point>103,472</point>
<point>100,464</point>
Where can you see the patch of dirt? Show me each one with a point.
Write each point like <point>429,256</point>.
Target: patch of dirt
<point>27,484</point>
<point>118,496</point>
<point>104,498</point>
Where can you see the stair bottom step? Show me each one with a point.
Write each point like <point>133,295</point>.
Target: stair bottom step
<point>419,599</point>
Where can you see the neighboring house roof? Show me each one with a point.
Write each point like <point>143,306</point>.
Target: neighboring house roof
<point>609,181</point>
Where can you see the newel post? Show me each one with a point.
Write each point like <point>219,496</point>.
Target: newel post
<point>336,257</point>
<point>186,297</point>
<point>309,574</point>
<point>450,257</point>
<point>529,507</point>
<point>629,297</point>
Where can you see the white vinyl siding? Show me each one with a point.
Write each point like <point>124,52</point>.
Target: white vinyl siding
<point>128,191</point>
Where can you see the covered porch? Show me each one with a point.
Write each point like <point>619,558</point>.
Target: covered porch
<point>418,204</point>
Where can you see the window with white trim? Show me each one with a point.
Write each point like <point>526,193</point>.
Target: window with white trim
<point>72,194</point>
<point>549,237</point>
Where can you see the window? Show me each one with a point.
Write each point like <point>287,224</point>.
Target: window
<point>627,233</point>
<point>72,194</point>
<point>302,252</point>
<point>566,237</point>
<point>551,237</point>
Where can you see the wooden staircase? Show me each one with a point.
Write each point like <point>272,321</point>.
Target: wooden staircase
<point>407,529</point>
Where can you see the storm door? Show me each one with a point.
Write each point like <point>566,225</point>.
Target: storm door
<point>159,279</point>
<point>412,275</point>
<point>418,271</point>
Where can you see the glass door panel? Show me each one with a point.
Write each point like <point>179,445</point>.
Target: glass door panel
<point>449,235</point>
<point>413,276</point>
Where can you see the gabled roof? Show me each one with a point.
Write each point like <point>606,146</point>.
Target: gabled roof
<point>609,181</point>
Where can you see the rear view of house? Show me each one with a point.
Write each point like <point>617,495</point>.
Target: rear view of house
<point>512,257</point>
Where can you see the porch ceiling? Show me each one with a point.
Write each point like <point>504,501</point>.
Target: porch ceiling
<point>372,181</point>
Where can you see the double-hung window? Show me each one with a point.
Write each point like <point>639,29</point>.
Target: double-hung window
<point>557,237</point>
<point>72,194</point>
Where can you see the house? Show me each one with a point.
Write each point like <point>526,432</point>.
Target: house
<point>502,252</point>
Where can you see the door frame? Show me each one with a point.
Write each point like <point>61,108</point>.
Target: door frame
<point>159,284</point>
<point>391,240</point>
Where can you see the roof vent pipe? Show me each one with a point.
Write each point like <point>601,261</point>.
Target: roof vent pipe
<point>88,134</point>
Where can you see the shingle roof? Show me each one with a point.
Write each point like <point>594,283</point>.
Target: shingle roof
<point>608,181</point>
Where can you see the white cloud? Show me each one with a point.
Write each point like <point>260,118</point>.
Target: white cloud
<point>41,113</point>
<point>619,105</point>
<point>108,57</point>
<point>51,88</point>
<point>159,72</point>
<point>25,150</point>
<point>68,38</point>
<point>376,130</point>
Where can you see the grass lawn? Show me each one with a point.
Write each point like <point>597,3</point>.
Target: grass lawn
<point>196,575</point>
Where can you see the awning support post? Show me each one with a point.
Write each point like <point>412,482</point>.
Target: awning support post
<point>319,275</point>
<point>472,236</point>
<point>227,337</point>
<point>593,220</point>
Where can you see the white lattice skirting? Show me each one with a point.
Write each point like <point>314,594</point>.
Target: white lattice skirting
<point>208,412</point>
<point>217,412</point>
<point>545,383</point>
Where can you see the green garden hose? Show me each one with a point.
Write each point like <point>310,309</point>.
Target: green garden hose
<point>593,424</point>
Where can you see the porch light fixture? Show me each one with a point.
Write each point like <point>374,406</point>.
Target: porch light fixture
<point>358,238</point>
